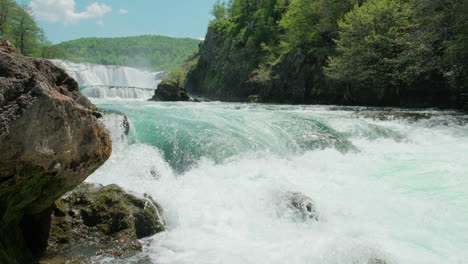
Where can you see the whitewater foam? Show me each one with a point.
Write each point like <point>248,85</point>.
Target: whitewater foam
<point>399,196</point>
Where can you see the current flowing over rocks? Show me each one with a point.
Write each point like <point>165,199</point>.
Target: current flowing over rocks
<point>243,183</point>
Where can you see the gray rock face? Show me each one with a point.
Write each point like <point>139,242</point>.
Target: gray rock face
<point>50,141</point>
<point>223,69</point>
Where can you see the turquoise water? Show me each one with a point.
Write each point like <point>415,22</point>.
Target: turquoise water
<point>384,188</point>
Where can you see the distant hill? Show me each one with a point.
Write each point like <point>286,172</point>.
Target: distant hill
<point>149,52</point>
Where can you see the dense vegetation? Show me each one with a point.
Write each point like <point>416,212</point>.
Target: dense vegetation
<point>337,51</point>
<point>18,26</point>
<point>151,52</point>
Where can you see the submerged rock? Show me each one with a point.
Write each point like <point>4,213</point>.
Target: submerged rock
<point>376,261</point>
<point>393,115</point>
<point>170,91</point>
<point>50,141</point>
<point>302,205</point>
<point>297,205</point>
<point>95,220</point>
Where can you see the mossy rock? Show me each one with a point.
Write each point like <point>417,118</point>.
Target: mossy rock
<point>170,91</point>
<point>95,220</point>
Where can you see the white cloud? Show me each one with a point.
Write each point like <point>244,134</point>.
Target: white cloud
<point>64,10</point>
<point>123,11</point>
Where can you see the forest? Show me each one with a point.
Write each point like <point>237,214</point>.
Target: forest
<point>393,45</point>
<point>149,52</point>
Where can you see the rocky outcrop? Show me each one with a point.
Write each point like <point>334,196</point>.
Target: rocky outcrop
<point>223,70</point>
<point>170,91</point>
<point>95,220</point>
<point>50,141</point>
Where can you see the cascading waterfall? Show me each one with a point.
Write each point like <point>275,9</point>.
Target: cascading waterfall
<point>103,81</point>
<point>387,185</point>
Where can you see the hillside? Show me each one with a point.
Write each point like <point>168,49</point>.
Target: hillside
<point>353,52</point>
<point>149,52</point>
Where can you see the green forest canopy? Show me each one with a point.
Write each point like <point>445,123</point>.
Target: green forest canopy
<point>362,42</point>
<point>150,52</point>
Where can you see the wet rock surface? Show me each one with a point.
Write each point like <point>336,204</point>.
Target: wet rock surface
<point>301,205</point>
<point>393,115</point>
<point>50,139</point>
<point>95,220</point>
<point>448,118</point>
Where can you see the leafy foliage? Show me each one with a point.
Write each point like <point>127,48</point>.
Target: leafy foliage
<point>372,37</point>
<point>398,43</point>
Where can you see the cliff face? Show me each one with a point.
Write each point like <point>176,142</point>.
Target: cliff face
<point>223,68</point>
<point>227,66</point>
<point>50,141</point>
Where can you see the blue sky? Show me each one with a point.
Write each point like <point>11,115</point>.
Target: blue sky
<point>65,20</point>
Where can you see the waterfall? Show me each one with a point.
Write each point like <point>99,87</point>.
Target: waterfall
<point>108,81</point>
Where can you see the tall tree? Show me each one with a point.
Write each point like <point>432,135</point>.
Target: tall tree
<point>219,10</point>
<point>25,31</point>
<point>4,12</point>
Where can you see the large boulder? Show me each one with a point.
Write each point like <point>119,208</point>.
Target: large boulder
<point>170,91</point>
<point>50,141</point>
<point>95,220</point>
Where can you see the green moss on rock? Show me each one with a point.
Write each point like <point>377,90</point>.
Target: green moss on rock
<point>169,90</point>
<point>95,220</point>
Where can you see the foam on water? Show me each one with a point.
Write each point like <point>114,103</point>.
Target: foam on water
<point>117,92</point>
<point>394,190</point>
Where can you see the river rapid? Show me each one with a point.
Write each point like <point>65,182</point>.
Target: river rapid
<point>388,184</point>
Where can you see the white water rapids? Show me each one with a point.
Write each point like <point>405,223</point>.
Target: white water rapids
<point>390,185</point>
<point>394,190</point>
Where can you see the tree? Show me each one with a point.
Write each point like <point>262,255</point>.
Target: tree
<point>219,10</point>
<point>372,38</point>
<point>25,31</point>
<point>177,76</point>
<point>4,12</point>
